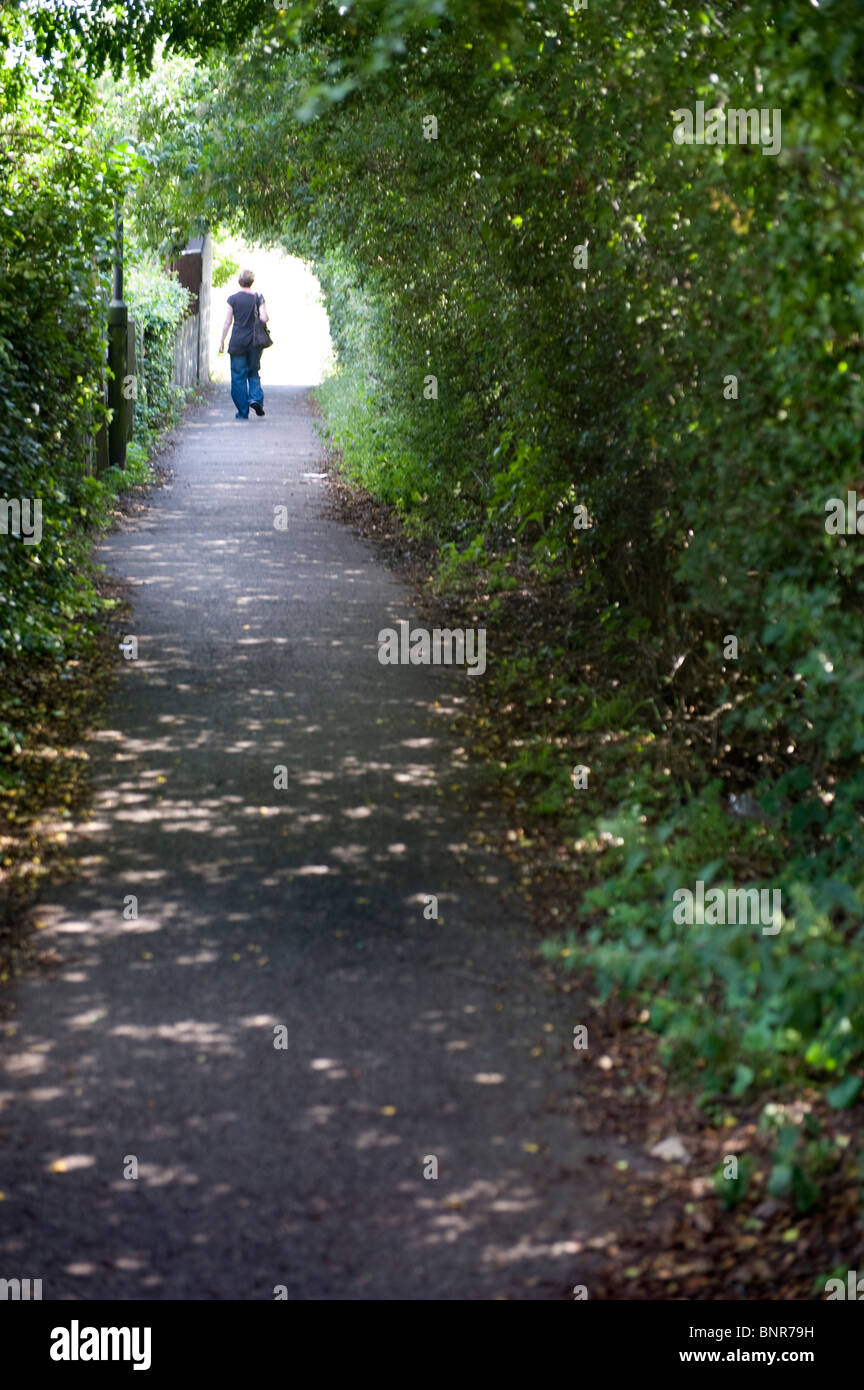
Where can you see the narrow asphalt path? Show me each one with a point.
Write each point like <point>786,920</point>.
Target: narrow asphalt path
<point>297,908</point>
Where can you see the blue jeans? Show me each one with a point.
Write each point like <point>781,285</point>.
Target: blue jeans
<point>245,381</point>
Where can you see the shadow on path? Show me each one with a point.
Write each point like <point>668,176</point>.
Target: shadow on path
<point>406,1038</point>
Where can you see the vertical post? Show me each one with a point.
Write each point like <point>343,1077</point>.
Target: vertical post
<point>130,396</point>
<point>118,317</point>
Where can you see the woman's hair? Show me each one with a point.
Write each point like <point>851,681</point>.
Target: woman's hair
<point>245,278</point>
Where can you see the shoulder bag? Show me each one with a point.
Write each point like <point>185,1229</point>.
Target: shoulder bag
<point>260,335</point>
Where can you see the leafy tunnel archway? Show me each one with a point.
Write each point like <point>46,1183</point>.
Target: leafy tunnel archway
<point>595,287</point>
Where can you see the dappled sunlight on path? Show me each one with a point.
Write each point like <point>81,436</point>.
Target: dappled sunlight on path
<point>249,1002</point>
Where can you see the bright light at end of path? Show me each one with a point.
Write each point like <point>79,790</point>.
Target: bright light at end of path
<point>301,354</point>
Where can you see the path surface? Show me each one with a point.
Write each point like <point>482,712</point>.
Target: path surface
<point>299,1166</point>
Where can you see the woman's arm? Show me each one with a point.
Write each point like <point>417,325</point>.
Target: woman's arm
<point>262,310</point>
<point>226,325</point>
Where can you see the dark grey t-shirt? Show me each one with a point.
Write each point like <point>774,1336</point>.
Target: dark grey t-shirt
<point>243,305</point>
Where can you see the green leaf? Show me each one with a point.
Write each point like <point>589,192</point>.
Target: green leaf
<point>840,1097</point>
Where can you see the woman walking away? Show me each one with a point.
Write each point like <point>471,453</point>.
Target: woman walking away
<point>245,357</point>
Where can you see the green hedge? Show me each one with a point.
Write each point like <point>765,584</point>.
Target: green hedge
<point>55,229</point>
<point>157,302</point>
<point>57,192</point>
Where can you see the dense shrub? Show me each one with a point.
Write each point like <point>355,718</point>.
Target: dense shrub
<point>54,257</point>
<point>157,302</point>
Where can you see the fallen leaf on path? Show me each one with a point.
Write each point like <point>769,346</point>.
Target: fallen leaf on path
<point>671,1150</point>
